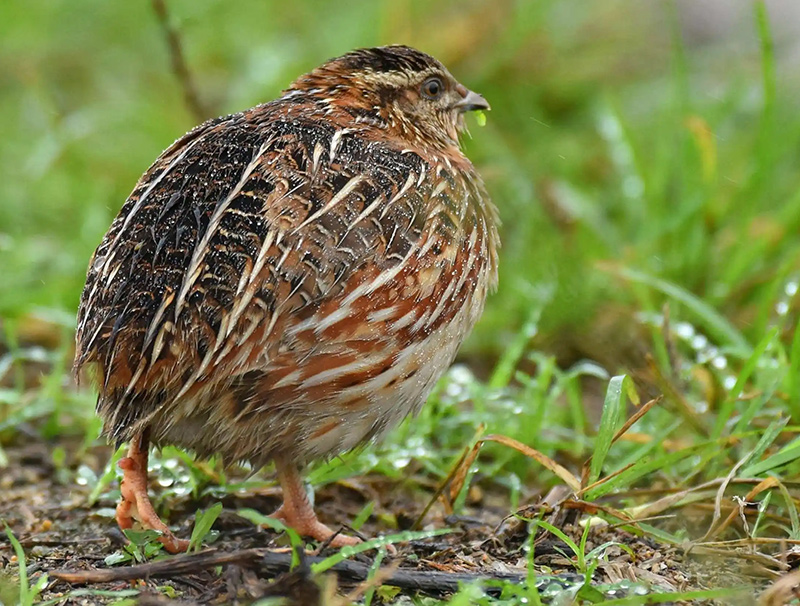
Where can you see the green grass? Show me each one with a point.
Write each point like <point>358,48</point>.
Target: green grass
<point>650,200</point>
<point>27,594</point>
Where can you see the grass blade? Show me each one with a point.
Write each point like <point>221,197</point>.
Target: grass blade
<point>259,519</point>
<point>770,434</point>
<point>643,467</point>
<point>715,323</point>
<point>351,550</point>
<point>204,521</point>
<point>793,377</point>
<point>727,408</point>
<point>613,407</point>
<point>504,370</point>
<point>785,455</point>
<point>562,472</point>
<point>672,597</point>
<point>24,596</point>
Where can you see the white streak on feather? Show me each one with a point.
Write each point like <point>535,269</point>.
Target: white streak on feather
<point>290,379</point>
<point>201,248</point>
<point>395,229</point>
<point>426,247</point>
<point>444,300</point>
<point>422,321</point>
<point>332,318</point>
<point>366,288</point>
<point>243,297</point>
<point>405,319</point>
<point>158,344</point>
<point>315,158</point>
<point>90,342</point>
<point>384,277</point>
<point>440,187</point>
<point>406,186</point>
<point>135,378</point>
<point>154,323</point>
<point>335,140</point>
<point>283,258</point>
<point>196,374</point>
<point>340,195</point>
<point>422,176</point>
<point>330,374</point>
<point>251,328</point>
<point>381,315</point>
<point>470,260</point>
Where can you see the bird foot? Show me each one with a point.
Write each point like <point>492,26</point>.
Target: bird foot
<point>306,523</point>
<point>136,505</point>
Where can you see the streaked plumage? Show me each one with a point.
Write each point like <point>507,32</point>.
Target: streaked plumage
<point>290,281</point>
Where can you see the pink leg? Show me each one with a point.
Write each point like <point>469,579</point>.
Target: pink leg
<point>135,504</point>
<point>297,513</point>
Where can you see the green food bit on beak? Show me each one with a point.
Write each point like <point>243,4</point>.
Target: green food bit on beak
<point>480,117</point>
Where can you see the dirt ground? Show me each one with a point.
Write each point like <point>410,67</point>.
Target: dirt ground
<point>48,513</point>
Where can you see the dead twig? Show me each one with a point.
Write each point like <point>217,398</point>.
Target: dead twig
<point>270,563</point>
<point>171,567</point>
<point>179,67</point>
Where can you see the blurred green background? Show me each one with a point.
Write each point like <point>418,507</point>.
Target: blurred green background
<point>632,148</point>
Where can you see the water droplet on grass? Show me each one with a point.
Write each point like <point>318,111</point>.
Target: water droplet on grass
<point>684,330</point>
<point>401,462</point>
<point>699,342</point>
<point>720,362</point>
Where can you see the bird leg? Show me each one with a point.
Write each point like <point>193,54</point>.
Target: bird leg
<point>135,504</point>
<point>296,511</point>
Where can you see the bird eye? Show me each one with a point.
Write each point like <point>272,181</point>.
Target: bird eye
<point>432,88</point>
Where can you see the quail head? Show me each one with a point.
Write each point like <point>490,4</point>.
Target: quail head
<point>289,282</point>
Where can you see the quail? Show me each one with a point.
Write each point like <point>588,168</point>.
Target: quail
<point>287,283</point>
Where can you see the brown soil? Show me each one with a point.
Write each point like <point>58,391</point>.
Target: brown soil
<point>48,512</point>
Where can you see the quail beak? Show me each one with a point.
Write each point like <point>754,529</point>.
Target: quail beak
<point>471,101</point>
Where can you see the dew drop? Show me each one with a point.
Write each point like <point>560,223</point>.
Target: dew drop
<point>684,330</point>
<point>401,462</point>
<point>719,362</point>
<point>699,342</point>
